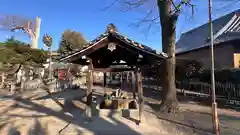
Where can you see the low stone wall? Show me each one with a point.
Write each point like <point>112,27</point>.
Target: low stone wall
<point>33,84</point>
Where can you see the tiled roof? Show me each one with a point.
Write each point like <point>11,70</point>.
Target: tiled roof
<point>225,28</point>
<point>122,38</point>
<point>90,44</point>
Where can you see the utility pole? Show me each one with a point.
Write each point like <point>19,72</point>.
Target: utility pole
<point>215,120</point>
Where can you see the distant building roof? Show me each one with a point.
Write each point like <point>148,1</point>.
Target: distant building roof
<point>225,28</point>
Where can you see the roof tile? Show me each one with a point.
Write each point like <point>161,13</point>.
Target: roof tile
<point>120,36</point>
<point>201,34</point>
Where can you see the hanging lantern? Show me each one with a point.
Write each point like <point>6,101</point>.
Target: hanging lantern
<point>111,46</point>
<point>47,40</point>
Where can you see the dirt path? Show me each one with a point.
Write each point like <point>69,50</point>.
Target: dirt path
<point>36,112</point>
<point>195,116</point>
<point>199,119</point>
<point>41,114</point>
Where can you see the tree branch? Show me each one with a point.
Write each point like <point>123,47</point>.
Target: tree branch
<point>177,8</point>
<point>146,20</point>
<point>13,23</point>
<point>17,28</point>
<point>135,3</point>
<point>109,6</point>
<point>174,5</point>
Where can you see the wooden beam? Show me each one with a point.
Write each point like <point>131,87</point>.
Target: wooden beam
<point>140,94</point>
<point>132,51</point>
<point>112,69</point>
<point>119,64</point>
<point>89,89</point>
<point>75,56</point>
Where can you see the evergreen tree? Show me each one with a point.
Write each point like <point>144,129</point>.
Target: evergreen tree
<point>71,40</point>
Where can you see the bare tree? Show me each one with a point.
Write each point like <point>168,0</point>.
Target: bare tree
<point>168,13</point>
<point>14,23</point>
<point>29,27</point>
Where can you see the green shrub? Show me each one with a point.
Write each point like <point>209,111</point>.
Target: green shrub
<point>187,69</point>
<point>21,54</point>
<point>223,75</point>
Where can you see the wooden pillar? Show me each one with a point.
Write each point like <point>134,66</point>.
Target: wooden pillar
<point>127,76</point>
<point>3,79</point>
<point>104,81</point>
<point>133,84</point>
<point>89,89</point>
<point>121,78</point>
<point>12,88</point>
<point>110,77</point>
<point>140,94</point>
<point>22,79</point>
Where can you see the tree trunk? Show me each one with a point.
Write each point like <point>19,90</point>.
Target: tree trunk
<point>168,21</point>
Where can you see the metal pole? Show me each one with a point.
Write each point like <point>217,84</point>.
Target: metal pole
<point>215,120</point>
<point>50,63</point>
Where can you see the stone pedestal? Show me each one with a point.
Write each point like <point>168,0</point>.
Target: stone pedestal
<point>12,88</point>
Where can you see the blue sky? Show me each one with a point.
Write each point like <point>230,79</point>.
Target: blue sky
<point>87,17</point>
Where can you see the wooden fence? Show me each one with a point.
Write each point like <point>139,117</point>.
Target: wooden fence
<point>228,91</point>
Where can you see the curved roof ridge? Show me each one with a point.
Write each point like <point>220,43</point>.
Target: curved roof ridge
<point>227,27</point>
<point>201,34</point>
<point>220,17</point>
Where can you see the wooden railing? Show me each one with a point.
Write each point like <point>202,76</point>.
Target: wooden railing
<point>228,91</point>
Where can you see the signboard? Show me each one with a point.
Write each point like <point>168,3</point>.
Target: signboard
<point>62,74</point>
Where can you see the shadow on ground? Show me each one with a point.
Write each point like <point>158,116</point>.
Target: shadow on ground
<point>63,94</point>
<point>186,119</point>
<point>75,117</point>
<point>191,119</point>
<point>199,121</point>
